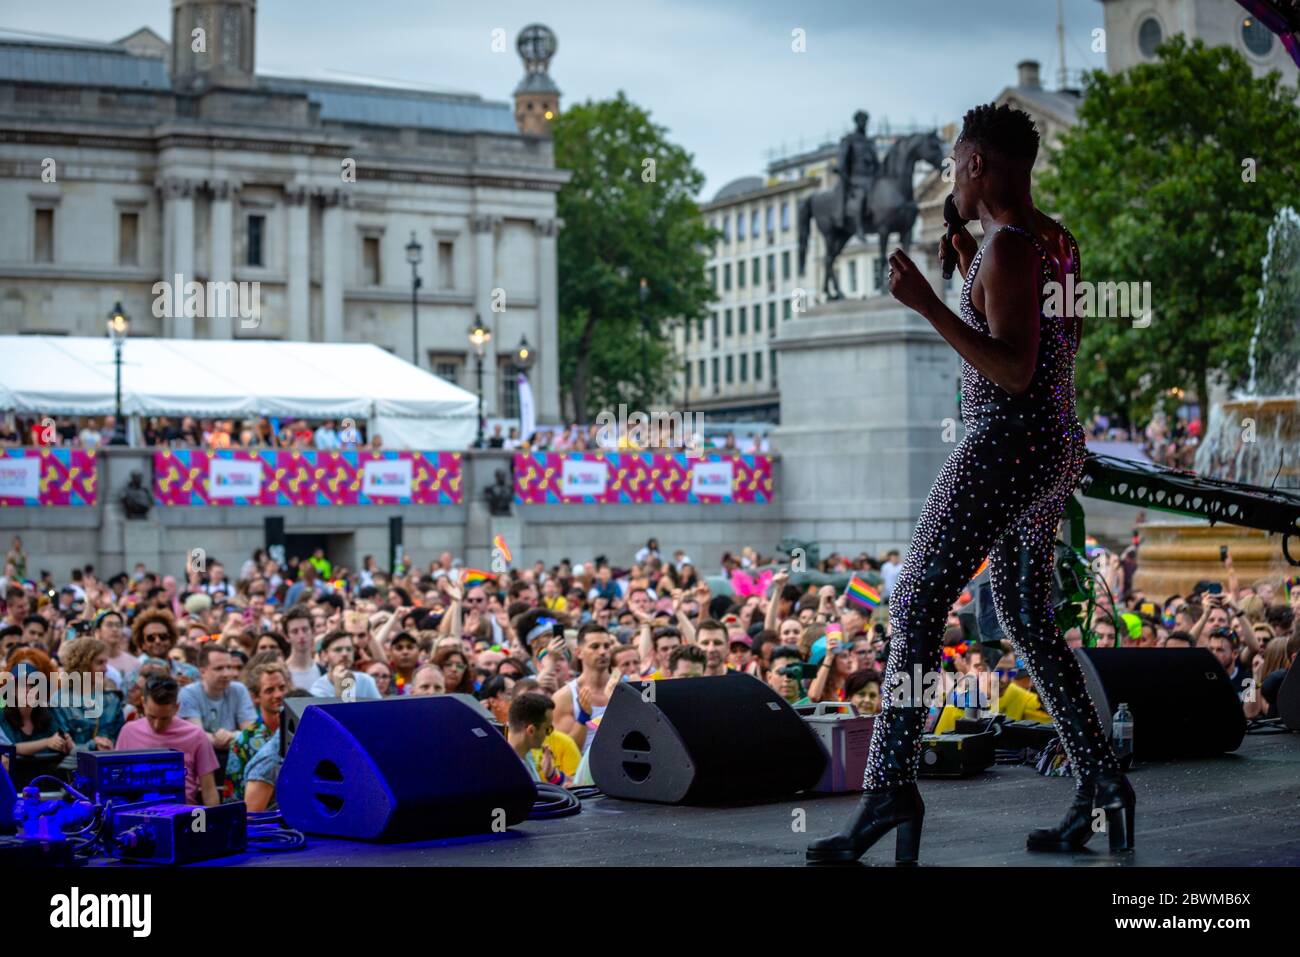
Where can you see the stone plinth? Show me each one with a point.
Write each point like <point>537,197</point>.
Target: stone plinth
<point>868,415</point>
<point>1176,555</point>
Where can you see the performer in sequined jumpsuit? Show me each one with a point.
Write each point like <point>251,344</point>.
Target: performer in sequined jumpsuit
<point>1001,494</point>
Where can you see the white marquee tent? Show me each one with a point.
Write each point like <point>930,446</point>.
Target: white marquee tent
<point>408,407</point>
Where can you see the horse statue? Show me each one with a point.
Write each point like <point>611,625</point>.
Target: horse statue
<point>890,208</point>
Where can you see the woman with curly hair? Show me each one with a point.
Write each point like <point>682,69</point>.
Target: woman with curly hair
<point>91,709</point>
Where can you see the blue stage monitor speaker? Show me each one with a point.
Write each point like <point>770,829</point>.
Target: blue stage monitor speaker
<point>401,769</point>
<point>713,740</point>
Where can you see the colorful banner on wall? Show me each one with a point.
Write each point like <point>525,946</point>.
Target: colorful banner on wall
<point>305,477</point>
<point>641,478</point>
<point>47,477</point>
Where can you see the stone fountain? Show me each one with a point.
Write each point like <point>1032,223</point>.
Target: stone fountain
<point>1252,437</point>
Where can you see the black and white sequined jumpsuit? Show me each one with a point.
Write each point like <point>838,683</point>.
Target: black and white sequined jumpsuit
<point>1001,493</point>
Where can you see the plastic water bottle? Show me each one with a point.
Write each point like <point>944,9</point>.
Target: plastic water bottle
<point>1121,735</point>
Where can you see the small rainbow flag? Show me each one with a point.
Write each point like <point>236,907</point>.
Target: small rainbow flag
<point>499,543</point>
<point>862,594</point>
<point>472,576</point>
<point>1291,585</point>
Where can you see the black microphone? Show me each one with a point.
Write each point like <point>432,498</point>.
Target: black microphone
<point>955,222</point>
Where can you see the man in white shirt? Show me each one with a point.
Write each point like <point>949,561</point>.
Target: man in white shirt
<point>889,572</point>
<point>339,680</point>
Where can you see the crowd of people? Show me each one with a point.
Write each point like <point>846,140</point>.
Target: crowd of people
<point>1171,443</point>
<point>188,432</point>
<point>202,662</point>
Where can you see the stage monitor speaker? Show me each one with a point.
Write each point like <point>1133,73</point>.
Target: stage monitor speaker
<point>273,529</point>
<point>401,769</point>
<point>1183,704</point>
<point>703,741</point>
<point>1288,696</point>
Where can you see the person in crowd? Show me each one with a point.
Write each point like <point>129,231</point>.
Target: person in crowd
<point>862,690</point>
<point>217,702</point>
<point>687,661</point>
<point>339,680</point>
<point>580,704</point>
<point>529,725</point>
<point>403,660</point>
<point>267,681</point>
<point>161,728</point>
<point>154,634</point>
<point>300,632</point>
<point>110,628</point>
<point>785,673</point>
<point>90,712</point>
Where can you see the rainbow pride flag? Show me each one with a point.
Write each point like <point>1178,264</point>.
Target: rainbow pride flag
<point>862,594</point>
<point>472,576</point>
<point>499,543</point>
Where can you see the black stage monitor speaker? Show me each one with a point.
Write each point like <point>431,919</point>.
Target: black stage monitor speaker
<point>703,741</point>
<point>1288,696</point>
<point>401,769</point>
<point>1182,702</point>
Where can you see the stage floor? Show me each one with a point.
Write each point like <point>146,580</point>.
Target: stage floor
<point>1240,810</point>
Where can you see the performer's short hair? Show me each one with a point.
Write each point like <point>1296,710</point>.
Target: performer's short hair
<point>1003,129</point>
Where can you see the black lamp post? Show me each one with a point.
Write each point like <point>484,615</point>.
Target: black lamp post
<point>118,327</point>
<point>523,355</point>
<point>479,337</point>
<point>413,250</point>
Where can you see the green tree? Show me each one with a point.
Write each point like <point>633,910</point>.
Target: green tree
<point>1172,175</point>
<point>625,219</point>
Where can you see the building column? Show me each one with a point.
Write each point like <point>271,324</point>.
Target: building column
<point>331,276</point>
<point>178,251</point>
<point>298,265</point>
<point>485,228</point>
<point>546,388</point>
<point>221,244</point>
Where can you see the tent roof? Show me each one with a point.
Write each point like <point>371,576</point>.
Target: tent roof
<point>69,375</point>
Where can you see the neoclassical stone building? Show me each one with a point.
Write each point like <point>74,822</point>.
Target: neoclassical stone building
<point>130,163</point>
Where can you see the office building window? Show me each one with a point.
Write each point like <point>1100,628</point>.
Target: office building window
<point>713,320</point>
<point>740,225</point>
<point>770,218</point>
<point>701,373</point>
<point>686,332</point>
<point>785,216</point>
<point>758,367</point>
<point>713,278</point>
<point>771,318</point>
<point>687,370</point>
<point>744,367</point>
<point>726,277</point>
<point>255,253</point>
<point>771,272</point>
<point>726,325</point>
<point>753,224</point>
<point>726,228</point>
<point>879,277</point>
<point>128,239</point>
<point>740,315</point>
<point>446,264</point>
<point>508,393</point>
<point>447,365</point>
<point>715,380</point>
<point>756,272</point>
<point>43,236</point>
<point>775,358</point>
<point>785,264</point>
<point>785,309</point>
<point>370,260</point>
<point>729,371</point>
<point>740,274</point>
<point>853,276</point>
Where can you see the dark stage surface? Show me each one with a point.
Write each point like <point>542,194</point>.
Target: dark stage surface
<point>1242,809</point>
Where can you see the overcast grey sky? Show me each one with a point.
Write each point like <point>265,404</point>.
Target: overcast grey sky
<point>719,74</point>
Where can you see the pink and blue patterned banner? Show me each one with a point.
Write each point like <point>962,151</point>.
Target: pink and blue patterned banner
<point>641,478</point>
<point>30,477</point>
<point>305,477</point>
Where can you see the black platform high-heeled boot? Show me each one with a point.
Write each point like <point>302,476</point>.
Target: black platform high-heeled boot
<point>1113,795</point>
<point>878,813</point>
<point>894,754</point>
